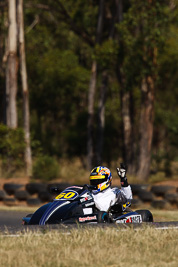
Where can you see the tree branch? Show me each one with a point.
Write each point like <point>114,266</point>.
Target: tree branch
<point>66,18</point>
<point>40,6</point>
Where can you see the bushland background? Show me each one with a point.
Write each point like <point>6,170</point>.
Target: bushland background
<point>84,83</point>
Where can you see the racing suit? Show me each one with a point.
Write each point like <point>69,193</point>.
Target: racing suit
<point>110,196</point>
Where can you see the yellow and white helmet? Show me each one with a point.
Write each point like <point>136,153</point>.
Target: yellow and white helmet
<point>101,177</point>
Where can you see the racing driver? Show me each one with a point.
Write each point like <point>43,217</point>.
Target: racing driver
<point>104,196</point>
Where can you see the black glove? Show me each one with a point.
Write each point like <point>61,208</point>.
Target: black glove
<point>122,174</point>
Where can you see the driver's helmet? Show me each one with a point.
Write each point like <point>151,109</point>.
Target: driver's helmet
<point>101,177</point>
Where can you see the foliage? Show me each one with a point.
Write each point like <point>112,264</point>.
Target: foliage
<point>45,168</point>
<point>12,146</point>
<point>59,54</point>
<point>142,33</point>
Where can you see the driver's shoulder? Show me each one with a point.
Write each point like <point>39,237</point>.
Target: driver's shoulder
<point>115,189</point>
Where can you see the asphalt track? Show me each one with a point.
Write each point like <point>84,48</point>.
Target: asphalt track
<point>11,223</point>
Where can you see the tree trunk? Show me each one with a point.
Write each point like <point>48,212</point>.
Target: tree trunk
<point>26,113</point>
<point>91,94</point>
<point>146,127</point>
<point>2,70</point>
<point>101,117</point>
<point>11,68</point>
<point>92,89</point>
<point>127,127</point>
<point>127,110</point>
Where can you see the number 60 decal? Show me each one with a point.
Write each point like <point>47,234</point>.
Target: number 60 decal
<point>67,195</point>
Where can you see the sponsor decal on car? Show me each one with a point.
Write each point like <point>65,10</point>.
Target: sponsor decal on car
<point>131,219</point>
<point>85,197</point>
<point>87,211</point>
<point>89,204</point>
<point>88,218</point>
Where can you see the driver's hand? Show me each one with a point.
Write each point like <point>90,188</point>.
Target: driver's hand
<point>121,172</point>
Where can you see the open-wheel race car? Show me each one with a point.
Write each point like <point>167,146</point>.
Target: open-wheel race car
<point>76,205</point>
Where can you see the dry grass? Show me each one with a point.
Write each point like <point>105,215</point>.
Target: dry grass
<point>91,247</point>
<point>164,215</point>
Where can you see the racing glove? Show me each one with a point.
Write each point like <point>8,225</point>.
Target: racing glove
<point>122,174</point>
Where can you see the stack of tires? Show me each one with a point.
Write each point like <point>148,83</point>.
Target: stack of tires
<point>31,194</point>
<point>157,196</point>
<point>34,194</point>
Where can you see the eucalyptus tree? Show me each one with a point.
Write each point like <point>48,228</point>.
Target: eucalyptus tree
<point>11,67</point>
<point>140,39</point>
<point>3,28</point>
<point>25,91</point>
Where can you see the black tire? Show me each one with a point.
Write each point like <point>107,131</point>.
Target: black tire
<point>172,198</point>
<point>21,195</point>
<point>33,201</point>
<point>45,196</point>
<point>9,201</point>
<point>35,188</point>
<point>11,188</point>
<point>136,188</point>
<point>2,195</point>
<point>136,202</point>
<point>146,196</point>
<point>103,217</point>
<point>159,204</point>
<point>146,215</point>
<point>161,190</point>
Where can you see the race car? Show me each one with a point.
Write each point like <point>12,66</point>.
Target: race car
<point>76,205</point>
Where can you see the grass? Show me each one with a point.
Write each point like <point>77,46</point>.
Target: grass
<point>164,215</point>
<point>91,247</point>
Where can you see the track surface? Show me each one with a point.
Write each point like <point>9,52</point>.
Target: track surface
<point>10,223</point>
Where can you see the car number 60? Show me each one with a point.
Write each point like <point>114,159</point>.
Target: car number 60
<point>66,195</point>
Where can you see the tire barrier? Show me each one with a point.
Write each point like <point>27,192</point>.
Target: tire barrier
<point>136,203</point>
<point>11,188</point>
<point>136,188</point>
<point>9,201</point>
<point>45,196</point>
<point>172,198</point>
<point>34,188</point>
<point>160,204</point>
<point>36,194</point>
<point>161,190</point>
<point>21,195</point>
<point>33,201</point>
<point>146,196</point>
<point>2,195</point>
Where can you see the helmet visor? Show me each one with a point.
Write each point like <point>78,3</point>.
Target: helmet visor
<point>97,179</point>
